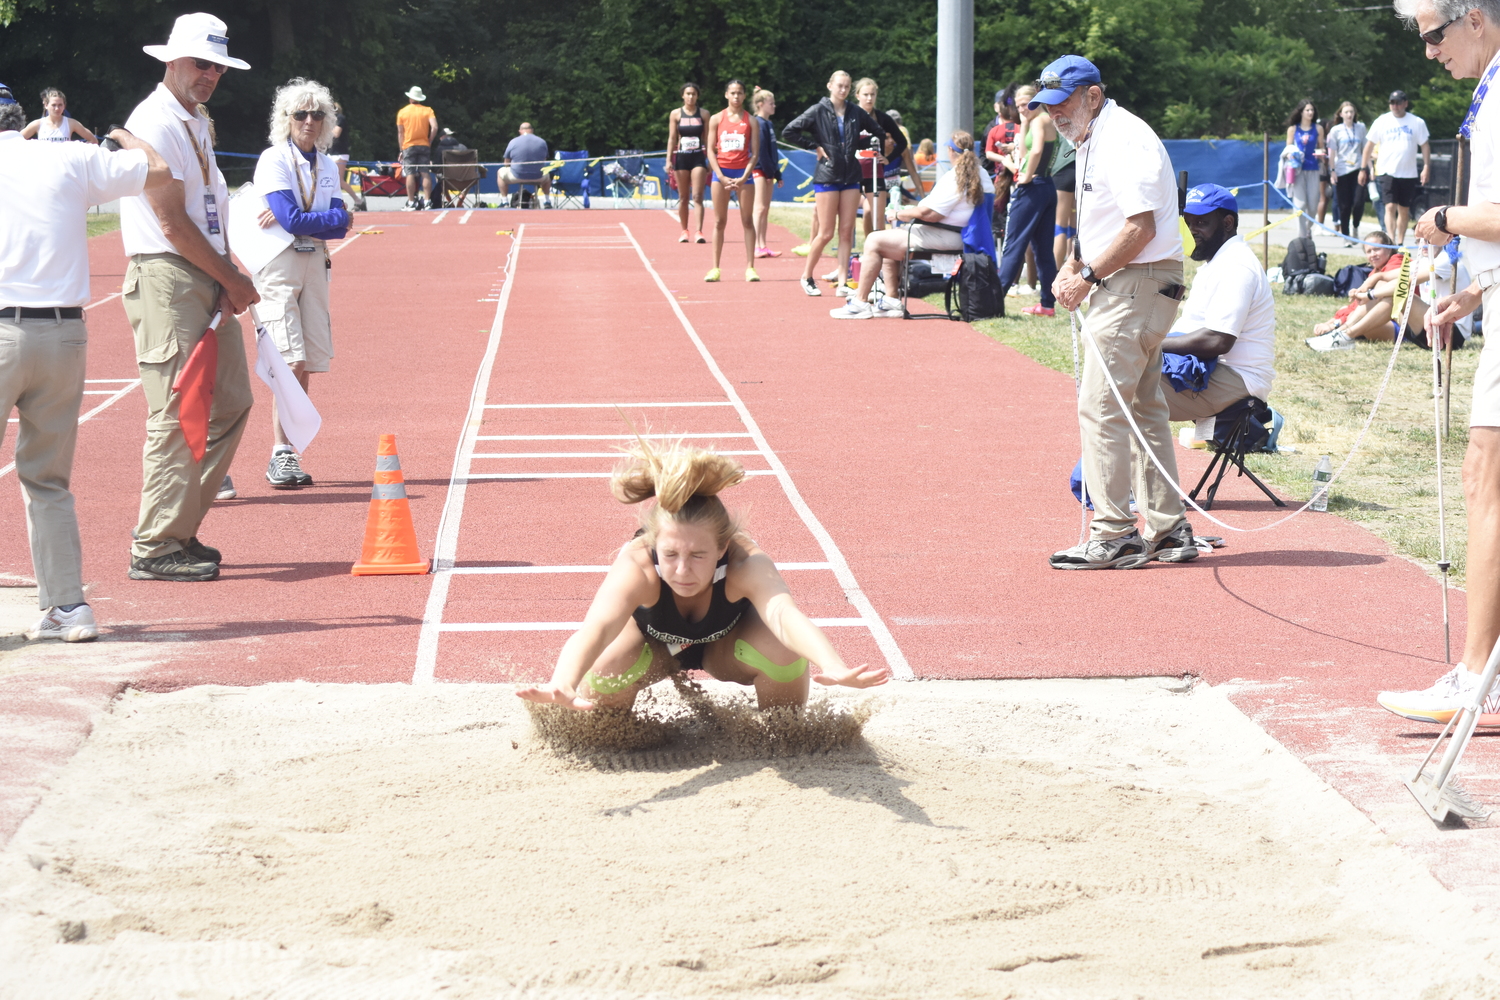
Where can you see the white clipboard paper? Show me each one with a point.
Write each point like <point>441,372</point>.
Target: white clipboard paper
<point>299,418</point>
<point>254,246</point>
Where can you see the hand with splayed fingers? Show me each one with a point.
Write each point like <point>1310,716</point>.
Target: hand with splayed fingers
<point>862,676</point>
<point>552,694</point>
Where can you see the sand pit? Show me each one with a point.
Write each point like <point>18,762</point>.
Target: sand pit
<point>984,839</point>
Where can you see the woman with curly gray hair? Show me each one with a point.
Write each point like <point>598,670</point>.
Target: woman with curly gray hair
<point>300,184</point>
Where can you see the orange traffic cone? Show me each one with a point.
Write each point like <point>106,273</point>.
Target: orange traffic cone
<point>390,537</point>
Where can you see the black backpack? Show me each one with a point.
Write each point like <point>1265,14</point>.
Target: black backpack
<point>922,281</point>
<point>977,289</point>
<point>1349,277</point>
<point>1302,258</point>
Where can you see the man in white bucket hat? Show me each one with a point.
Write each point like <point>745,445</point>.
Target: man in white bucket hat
<point>180,275</point>
<point>416,130</point>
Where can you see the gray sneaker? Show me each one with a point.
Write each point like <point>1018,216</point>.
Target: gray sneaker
<point>1177,545</point>
<point>173,566</point>
<point>226,490</point>
<point>283,473</point>
<point>1127,552</point>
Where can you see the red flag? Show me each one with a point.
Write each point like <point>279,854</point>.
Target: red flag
<point>195,388</point>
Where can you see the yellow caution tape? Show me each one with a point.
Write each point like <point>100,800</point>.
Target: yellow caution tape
<point>1403,287</point>
<point>1263,229</point>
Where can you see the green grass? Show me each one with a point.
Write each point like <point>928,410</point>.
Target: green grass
<point>103,222</point>
<point>799,221</point>
<point>1390,487</point>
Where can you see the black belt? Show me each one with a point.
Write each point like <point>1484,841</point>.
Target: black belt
<point>21,312</point>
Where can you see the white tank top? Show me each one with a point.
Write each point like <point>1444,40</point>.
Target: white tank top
<point>63,133</point>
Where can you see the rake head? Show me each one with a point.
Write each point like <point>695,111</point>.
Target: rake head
<point>1443,800</point>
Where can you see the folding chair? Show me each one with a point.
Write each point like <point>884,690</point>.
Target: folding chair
<point>388,185</point>
<point>920,254</point>
<point>624,176</point>
<point>571,181</point>
<point>1238,429</point>
<point>461,175</point>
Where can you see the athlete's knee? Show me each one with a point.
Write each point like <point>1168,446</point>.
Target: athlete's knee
<point>621,682</point>
<point>756,660</point>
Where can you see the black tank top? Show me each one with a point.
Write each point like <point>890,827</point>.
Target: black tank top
<point>664,623</point>
<point>691,127</point>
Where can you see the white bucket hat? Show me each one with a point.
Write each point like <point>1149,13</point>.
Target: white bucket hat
<point>416,94</point>
<point>197,36</point>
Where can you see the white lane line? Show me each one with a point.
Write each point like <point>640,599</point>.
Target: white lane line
<point>101,302</point>
<point>473,476</point>
<point>603,437</point>
<point>463,219</point>
<point>575,626</point>
<point>571,454</point>
<point>440,217</point>
<point>453,507</point>
<point>528,570</point>
<point>592,406</point>
<point>114,397</point>
<point>346,241</point>
<point>98,392</point>
<point>857,597</point>
<point>100,380</point>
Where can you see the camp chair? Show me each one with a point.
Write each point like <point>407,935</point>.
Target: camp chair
<point>623,175</point>
<point>1239,428</point>
<point>461,174</point>
<point>571,181</point>
<point>388,185</point>
<point>916,253</point>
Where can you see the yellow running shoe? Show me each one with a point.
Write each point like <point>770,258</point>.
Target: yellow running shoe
<point>712,275</point>
<point>803,250</point>
<point>750,274</point>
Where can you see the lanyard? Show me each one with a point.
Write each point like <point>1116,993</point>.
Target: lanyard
<point>307,199</point>
<point>1479,94</point>
<point>198,151</point>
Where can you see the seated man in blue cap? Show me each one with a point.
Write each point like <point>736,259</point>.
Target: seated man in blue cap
<point>1228,321</point>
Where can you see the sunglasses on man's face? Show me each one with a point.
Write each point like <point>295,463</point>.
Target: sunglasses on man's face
<point>204,65</point>
<point>316,116</point>
<point>1435,36</point>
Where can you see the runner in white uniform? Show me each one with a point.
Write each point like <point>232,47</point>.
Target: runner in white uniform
<point>57,126</point>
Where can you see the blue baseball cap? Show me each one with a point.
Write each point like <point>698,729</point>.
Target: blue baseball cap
<point>1206,198</point>
<point>5,95</point>
<point>1062,77</point>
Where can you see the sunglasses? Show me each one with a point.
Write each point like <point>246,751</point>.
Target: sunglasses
<point>1435,36</point>
<point>204,64</point>
<point>316,116</point>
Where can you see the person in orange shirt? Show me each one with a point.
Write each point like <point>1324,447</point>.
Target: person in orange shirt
<point>416,127</point>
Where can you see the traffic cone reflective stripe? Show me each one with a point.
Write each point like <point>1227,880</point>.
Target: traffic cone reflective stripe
<point>390,537</point>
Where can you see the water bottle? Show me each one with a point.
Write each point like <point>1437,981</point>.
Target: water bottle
<point>1321,475</point>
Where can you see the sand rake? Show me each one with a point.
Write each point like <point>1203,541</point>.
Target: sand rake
<point>1433,792</point>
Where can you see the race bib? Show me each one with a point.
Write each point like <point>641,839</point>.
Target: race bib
<point>732,142</point>
<point>689,144</point>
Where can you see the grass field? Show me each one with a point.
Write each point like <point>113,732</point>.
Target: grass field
<point>103,222</point>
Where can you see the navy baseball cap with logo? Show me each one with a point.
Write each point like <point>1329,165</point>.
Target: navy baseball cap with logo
<point>5,95</point>
<point>1062,77</point>
<point>1206,198</point>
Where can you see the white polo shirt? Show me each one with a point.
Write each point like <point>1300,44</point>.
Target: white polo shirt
<point>46,189</point>
<point>1124,170</point>
<point>285,168</point>
<point>174,131</point>
<point>1397,141</point>
<point>1231,294</point>
<point>1484,176</point>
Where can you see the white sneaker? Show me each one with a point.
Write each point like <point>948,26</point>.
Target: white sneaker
<point>1334,340</point>
<point>77,625</point>
<point>810,287</point>
<point>852,309</point>
<point>844,292</point>
<point>886,312</point>
<point>832,275</point>
<point>1443,700</point>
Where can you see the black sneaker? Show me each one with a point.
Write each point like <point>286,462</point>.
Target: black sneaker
<point>1127,552</point>
<point>173,566</point>
<point>201,552</point>
<point>1177,545</point>
<point>283,472</point>
<point>303,479</point>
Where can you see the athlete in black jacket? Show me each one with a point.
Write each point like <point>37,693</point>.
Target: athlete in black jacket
<point>831,128</point>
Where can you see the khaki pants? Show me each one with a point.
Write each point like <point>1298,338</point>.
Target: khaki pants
<point>41,376</point>
<point>1224,389</point>
<point>169,302</point>
<point>293,305</point>
<point>1128,318</point>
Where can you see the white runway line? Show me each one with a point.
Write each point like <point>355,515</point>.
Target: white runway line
<point>900,669</point>
<point>114,397</point>
<point>440,216</point>
<point>453,505</point>
<point>571,454</point>
<point>576,475</point>
<point>101,302</point>
<point>463,219</point>
<point>595,406</point>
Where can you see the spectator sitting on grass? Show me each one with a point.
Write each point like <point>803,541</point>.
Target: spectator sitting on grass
<point>1368,314</point>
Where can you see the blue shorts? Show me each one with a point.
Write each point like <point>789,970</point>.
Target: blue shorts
<point>729,172</point>
<point>827,188</point>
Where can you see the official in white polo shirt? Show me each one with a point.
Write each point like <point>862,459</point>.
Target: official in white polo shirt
<point>1464,35</point>
<point>300,183</point>
<point>1229,315</point>
<point>45,193</point>
<point>1128,262</point>
<point>179,275</point>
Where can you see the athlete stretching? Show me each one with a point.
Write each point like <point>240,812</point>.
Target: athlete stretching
<point>691,591</point>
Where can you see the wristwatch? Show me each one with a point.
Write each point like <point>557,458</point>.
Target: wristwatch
<point>1441,220</point>
<point>1087,274</point>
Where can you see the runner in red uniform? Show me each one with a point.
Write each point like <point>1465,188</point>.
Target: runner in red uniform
<point>733,145</point>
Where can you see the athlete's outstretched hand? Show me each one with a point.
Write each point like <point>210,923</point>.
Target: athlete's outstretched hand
<point>550,694</point>
<point>862,676</point>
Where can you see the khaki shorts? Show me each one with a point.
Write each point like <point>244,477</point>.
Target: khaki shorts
<point>509,176</point>
<point>294,305</point>
<point>933,238</point>
<point>1485,410</point>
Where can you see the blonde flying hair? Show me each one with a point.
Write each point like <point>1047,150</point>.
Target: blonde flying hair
<point>966,168</point>
<point>302,95</point>
<point>685,481</point>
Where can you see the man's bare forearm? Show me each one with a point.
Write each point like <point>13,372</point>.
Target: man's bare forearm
<point>184,234</point>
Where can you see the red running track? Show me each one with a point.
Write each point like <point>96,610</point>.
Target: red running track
<point>934,459</point>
